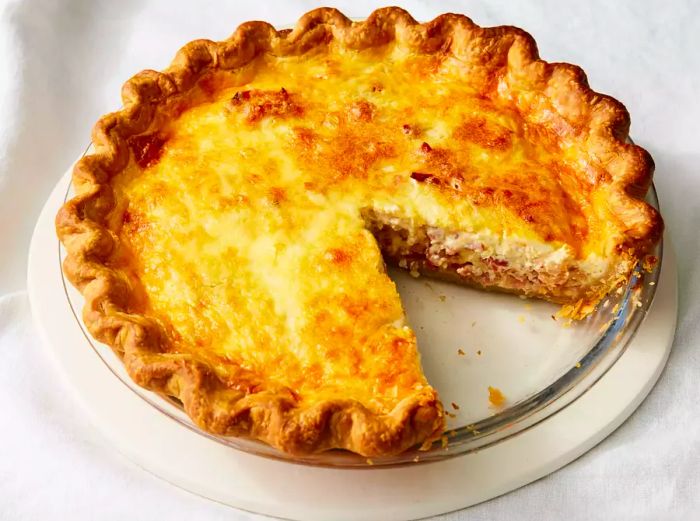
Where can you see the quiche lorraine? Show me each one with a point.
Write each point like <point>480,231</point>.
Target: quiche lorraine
<point>230,228</point>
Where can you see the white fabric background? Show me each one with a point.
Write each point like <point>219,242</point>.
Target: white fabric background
<point>61,67</point>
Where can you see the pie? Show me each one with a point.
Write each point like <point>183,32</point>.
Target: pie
<point>230,228</point>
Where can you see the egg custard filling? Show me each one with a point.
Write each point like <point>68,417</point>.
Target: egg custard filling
<point>249,221</point>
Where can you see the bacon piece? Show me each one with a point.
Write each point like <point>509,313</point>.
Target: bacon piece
<point>240,96</point>
<point>422,177</point>
<point>147,148</point>
<point>257,104</point>
<point>443,165</point>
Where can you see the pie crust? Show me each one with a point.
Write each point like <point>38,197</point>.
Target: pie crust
<point>503,59</point>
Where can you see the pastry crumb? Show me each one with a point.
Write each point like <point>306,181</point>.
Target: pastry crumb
<point>460,352</point>
<point>445,441</point>
<point>454,406</point>
<point>496,397</point>
<point>442,298</point>
<point>479,352</point>
<point>473,323</point>
<point>578,365</point>
<point>369,461</point>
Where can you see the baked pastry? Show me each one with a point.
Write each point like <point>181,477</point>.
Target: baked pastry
<point>227,231</point>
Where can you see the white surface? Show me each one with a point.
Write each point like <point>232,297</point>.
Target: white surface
<point>61,67</point>
<point>205,467</point>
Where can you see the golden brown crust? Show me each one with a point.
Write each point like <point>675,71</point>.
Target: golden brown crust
<point>503,58</point>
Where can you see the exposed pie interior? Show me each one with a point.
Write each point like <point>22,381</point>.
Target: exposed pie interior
<point>229,233</point>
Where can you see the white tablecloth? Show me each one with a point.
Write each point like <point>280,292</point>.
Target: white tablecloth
<point>61,66</point>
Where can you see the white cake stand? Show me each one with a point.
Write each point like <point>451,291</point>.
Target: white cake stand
<point>202,466</point>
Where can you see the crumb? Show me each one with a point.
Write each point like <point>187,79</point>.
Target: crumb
<point>496,397</point>
<point>652,283</point>
<point>369,461</point>
<point>606,303</point>
<point>444,441</point>
<point>473,323</point>
<point>452,434</point>
<point>578,365</point>
<point>460,352</point>
<point>554,318</point>
<point>450,415</point>
<point>473,430</point>
<point>479,352</point>
<point>455,406</point>
<point>638,303</point>
<point>414,274</point>
<point>415,460</point>
<point>442,298</point>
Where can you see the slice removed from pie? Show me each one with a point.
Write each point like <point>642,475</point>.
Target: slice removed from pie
<point>229,231</point>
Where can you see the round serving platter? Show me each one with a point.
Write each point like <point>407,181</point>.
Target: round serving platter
<point>469,340</point>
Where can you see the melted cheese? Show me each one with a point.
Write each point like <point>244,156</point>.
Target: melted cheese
<point>242,219</point>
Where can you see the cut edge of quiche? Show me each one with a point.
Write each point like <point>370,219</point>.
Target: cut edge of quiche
<point>504,60</point>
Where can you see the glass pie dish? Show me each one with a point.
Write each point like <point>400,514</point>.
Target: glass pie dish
<point>475,346</point>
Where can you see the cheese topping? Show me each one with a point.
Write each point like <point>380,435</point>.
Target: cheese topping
<point>243,217</point>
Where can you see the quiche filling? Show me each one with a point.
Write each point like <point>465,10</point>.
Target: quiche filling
<point>276,179</point>
<point>230,231</point>
<point>256,220</point>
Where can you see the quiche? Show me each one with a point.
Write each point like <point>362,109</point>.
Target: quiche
<point>230,228</point>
